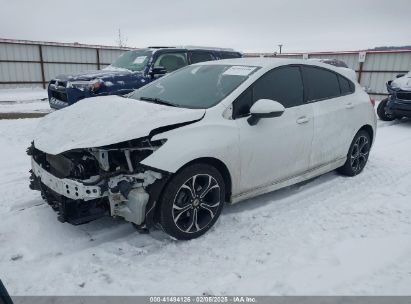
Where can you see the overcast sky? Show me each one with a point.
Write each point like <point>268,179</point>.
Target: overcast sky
<point>253,25</point>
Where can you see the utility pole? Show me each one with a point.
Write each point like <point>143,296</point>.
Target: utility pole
<point>280,46</point>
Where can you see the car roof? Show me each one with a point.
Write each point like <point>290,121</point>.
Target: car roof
<point>269,63</point>
<point>260,62</point>
<point>192,48</point>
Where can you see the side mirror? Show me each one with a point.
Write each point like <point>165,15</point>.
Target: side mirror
<point>4,295</point>
<point>400,75</point>
<point>158,70</point>
<point>265,108</point>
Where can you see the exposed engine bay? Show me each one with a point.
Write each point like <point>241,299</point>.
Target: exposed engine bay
<point>85,184</point>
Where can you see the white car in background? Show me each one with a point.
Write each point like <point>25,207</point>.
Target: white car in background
<point>175,151</point>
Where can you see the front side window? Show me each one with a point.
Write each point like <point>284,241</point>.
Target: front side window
<point>171,61</point>
<point>320,83</point>
<point>197,87</point>
<point>282,84</point>
<point>133,60</point>
<point>196,57</point>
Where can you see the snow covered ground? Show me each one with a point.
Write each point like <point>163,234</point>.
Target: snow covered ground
<point>23,101</point>
<point>331,235</point>
<point>22,94</point>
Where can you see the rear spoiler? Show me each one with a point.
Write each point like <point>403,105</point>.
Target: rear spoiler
<point>4,295</point>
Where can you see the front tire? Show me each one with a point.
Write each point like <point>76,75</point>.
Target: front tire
<point>192,201</point>
<point>357,156</point>
<point>382,114</point>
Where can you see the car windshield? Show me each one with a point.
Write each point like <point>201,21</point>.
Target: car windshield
<point>196,86</point>
<point>133,60</point>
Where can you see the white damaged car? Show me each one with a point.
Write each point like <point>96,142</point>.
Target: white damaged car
<point>175,151</point>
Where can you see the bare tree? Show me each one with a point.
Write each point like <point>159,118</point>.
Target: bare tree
<point>121,40</point>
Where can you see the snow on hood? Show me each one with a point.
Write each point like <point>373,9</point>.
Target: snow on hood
<point>402,83</point>
<point>89,75</point>
<point>101,121</point>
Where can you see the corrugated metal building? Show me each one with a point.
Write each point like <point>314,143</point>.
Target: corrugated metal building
<point>32,63</point>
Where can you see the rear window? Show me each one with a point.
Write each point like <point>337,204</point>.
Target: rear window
<point>320,83</point>
<point>346,86</point>
<point>196,57</point>
<point>230,55</point>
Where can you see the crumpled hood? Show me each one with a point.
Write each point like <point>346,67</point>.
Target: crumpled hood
<point>403,83</point>
<point>101,121</point>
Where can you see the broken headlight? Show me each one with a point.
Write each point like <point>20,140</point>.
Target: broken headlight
<point>92,85</point>
<point>125,156</point>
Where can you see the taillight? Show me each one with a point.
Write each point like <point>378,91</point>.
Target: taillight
<point>372,100</point>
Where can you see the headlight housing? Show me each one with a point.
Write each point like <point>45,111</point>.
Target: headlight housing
<point>82,85</point>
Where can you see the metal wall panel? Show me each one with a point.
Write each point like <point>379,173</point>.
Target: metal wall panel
<point>21,62</point>
<point>19,52</point>
<point>388,62</point>
<point>108,56</point>
<point>69,54</point>
<point>19,71</point>
<point>21,85</point>
<point>52,70</point>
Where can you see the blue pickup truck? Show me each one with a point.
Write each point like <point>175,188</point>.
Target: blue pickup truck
<point>130,71</point>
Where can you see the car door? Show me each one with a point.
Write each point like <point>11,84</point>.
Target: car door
<point>332,110</point>
<point>274,149</point>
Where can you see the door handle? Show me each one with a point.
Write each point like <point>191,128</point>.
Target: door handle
<point>302,120</point>
<point>349,105</point>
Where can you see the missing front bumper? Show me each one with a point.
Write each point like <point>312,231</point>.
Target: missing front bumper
<point>67,187</point>
<point>122,196</point>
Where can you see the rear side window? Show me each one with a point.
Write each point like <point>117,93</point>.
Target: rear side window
<point>320,83</point>
<point>196,57</point>
<point>281,84</point>
<point>346,86</point>
<point>230,55</point>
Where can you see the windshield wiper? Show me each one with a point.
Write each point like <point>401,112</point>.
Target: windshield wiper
<point>159,101</point>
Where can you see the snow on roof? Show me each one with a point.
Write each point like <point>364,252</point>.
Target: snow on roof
<point>266,62</point>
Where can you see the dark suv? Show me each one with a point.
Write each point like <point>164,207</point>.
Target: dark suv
<point>398,103</point>
<point>130,71</point>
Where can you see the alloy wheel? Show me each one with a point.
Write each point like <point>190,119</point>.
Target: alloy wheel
<point>196,203</point>
<point>359,153</point>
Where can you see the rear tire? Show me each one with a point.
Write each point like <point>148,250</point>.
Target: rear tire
<point>192,201</point>
<point>357,156</point>
<point>382,114</point>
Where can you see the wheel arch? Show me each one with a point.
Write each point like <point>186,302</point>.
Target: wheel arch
<point>368,128</point>
<point>220,166</point>
<point>214,162</point>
